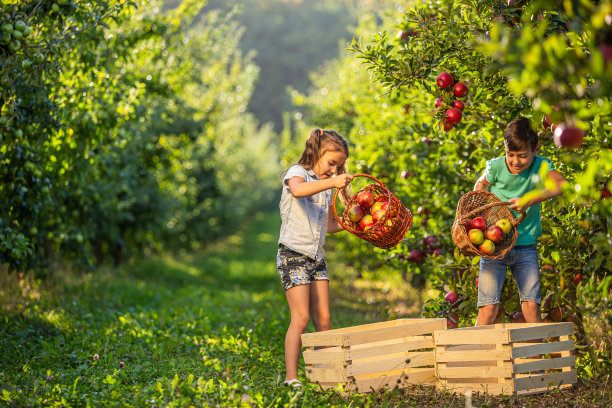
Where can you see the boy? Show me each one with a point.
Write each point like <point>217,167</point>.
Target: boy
<point>510,177</point>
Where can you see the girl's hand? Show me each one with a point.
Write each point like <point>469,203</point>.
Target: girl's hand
<point>342,180</point>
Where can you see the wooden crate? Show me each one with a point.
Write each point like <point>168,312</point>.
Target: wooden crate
<point>373,356</point>
<point>506,358</point>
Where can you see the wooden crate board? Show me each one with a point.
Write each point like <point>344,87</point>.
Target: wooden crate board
<point>506,358</point>
<point>391,362</point>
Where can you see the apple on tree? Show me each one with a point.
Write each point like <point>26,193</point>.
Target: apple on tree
<point>416,255</point>
<point>568,136</point>
<point>451,297</point>
<point>444,80</point>
<point>458,105</point>
<point>453,116</point>
<point>452,321</point>
<point>460,89</point>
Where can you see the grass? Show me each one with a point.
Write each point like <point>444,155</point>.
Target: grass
<point>199,329</point>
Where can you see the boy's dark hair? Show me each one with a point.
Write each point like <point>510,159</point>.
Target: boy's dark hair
<point>519,134</point>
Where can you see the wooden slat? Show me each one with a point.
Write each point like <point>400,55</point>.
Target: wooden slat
<point>403,330</point>
<point>326,374</point>
<point>473,355</point>
<point>332,355</point>
<point>399,379</point>
<point>541,390</point>
<point>541,330</point>
<point>490,388</point>
<point>545,364</point>
<point>400,361</point>
<point>484,336</point>
<point>354,353</point>
<point>475,372</point>
<point>323,339</point>
<point>542,348</point>
<point>551,380</point>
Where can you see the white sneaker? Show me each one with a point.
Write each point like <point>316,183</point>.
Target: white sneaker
<point>295,383</point>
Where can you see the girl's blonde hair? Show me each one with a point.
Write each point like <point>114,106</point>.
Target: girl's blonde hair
<point>318,143</point>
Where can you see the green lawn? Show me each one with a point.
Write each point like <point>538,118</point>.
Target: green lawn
<point>184,330</point>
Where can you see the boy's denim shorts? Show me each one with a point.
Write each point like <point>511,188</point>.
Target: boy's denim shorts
<point>523,263</point>
<point>295,269</point>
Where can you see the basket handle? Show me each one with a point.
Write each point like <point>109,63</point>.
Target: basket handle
<point>337,190</point>
<point>515,221</point>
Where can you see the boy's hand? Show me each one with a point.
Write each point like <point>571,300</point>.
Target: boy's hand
<point>515,206</point>
<point>342,180</point>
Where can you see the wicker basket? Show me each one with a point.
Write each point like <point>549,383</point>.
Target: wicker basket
<point>487,205</point>
<point>380,235</point>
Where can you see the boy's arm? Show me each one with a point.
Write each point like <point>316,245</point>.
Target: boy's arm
<point>332,222</point>
<point>546,194</point>
<point>300,188</point>
<point>482,183</point>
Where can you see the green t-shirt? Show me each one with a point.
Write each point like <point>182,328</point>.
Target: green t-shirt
<point>506,185</point>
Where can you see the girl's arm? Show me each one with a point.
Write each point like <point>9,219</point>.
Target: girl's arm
<point>332,222</point>
<point>559,181</point>
<point>482,183</point>
<point>301,188</point>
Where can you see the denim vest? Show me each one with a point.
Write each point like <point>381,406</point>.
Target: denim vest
<point>304,220</point>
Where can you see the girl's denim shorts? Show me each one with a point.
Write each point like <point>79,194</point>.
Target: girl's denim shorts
<point>295,269</point>
<point>523,263</point>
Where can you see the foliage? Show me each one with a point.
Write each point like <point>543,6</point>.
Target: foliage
<point>514,64</point>
<point>122,128</point>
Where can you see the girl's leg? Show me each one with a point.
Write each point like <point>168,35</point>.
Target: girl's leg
<point>319,304</point>
<point>298,300</point>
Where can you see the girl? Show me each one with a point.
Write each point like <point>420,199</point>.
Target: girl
<point>306,219</point>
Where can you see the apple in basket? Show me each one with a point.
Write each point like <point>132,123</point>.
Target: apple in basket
<point>476,236</point>
<point>365,199</point>
<point>479,223</point>
<point>377,215</point>
<point>355,213</point>
<point>366,222</point>
<point>487,247</point>
<point>379,205</point>
<point>505,225</point>
<point>495,234</point>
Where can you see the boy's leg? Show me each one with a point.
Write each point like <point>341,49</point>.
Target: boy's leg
<point>526,273</point>
<point>298,300</point>
<point>490,283</point>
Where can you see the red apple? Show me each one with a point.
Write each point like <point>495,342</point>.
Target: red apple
<point>401,34</point>
<point>366,222</point>
<point>375,207</point>
<point>505,225</point>
<point>479,223</point>
<point>487,247</point>
<point>453,116</point>
<point>406,174</point>
<point>458,104</point>
<point>495,234</point>
<point>548,301</point>
<point>568,136</point>
<point>452,321</point>
<point>468,225</point>
<point>451,297</point>
<point>556,314</point>
<point>447,125</point>
<point>546,123</point>
<point>518,317</point>
<point>475,236</point>
<point>416,255</point>
<point>377,215</point>
<point>365,199</point>
<point>444,80</point>
<point>460,89</point>
<point>477,279</point>
<point>439,102</point>
<point>355,213</point>
<point>423,210</point>
<point>577,279</point>
<point>431,241</point>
